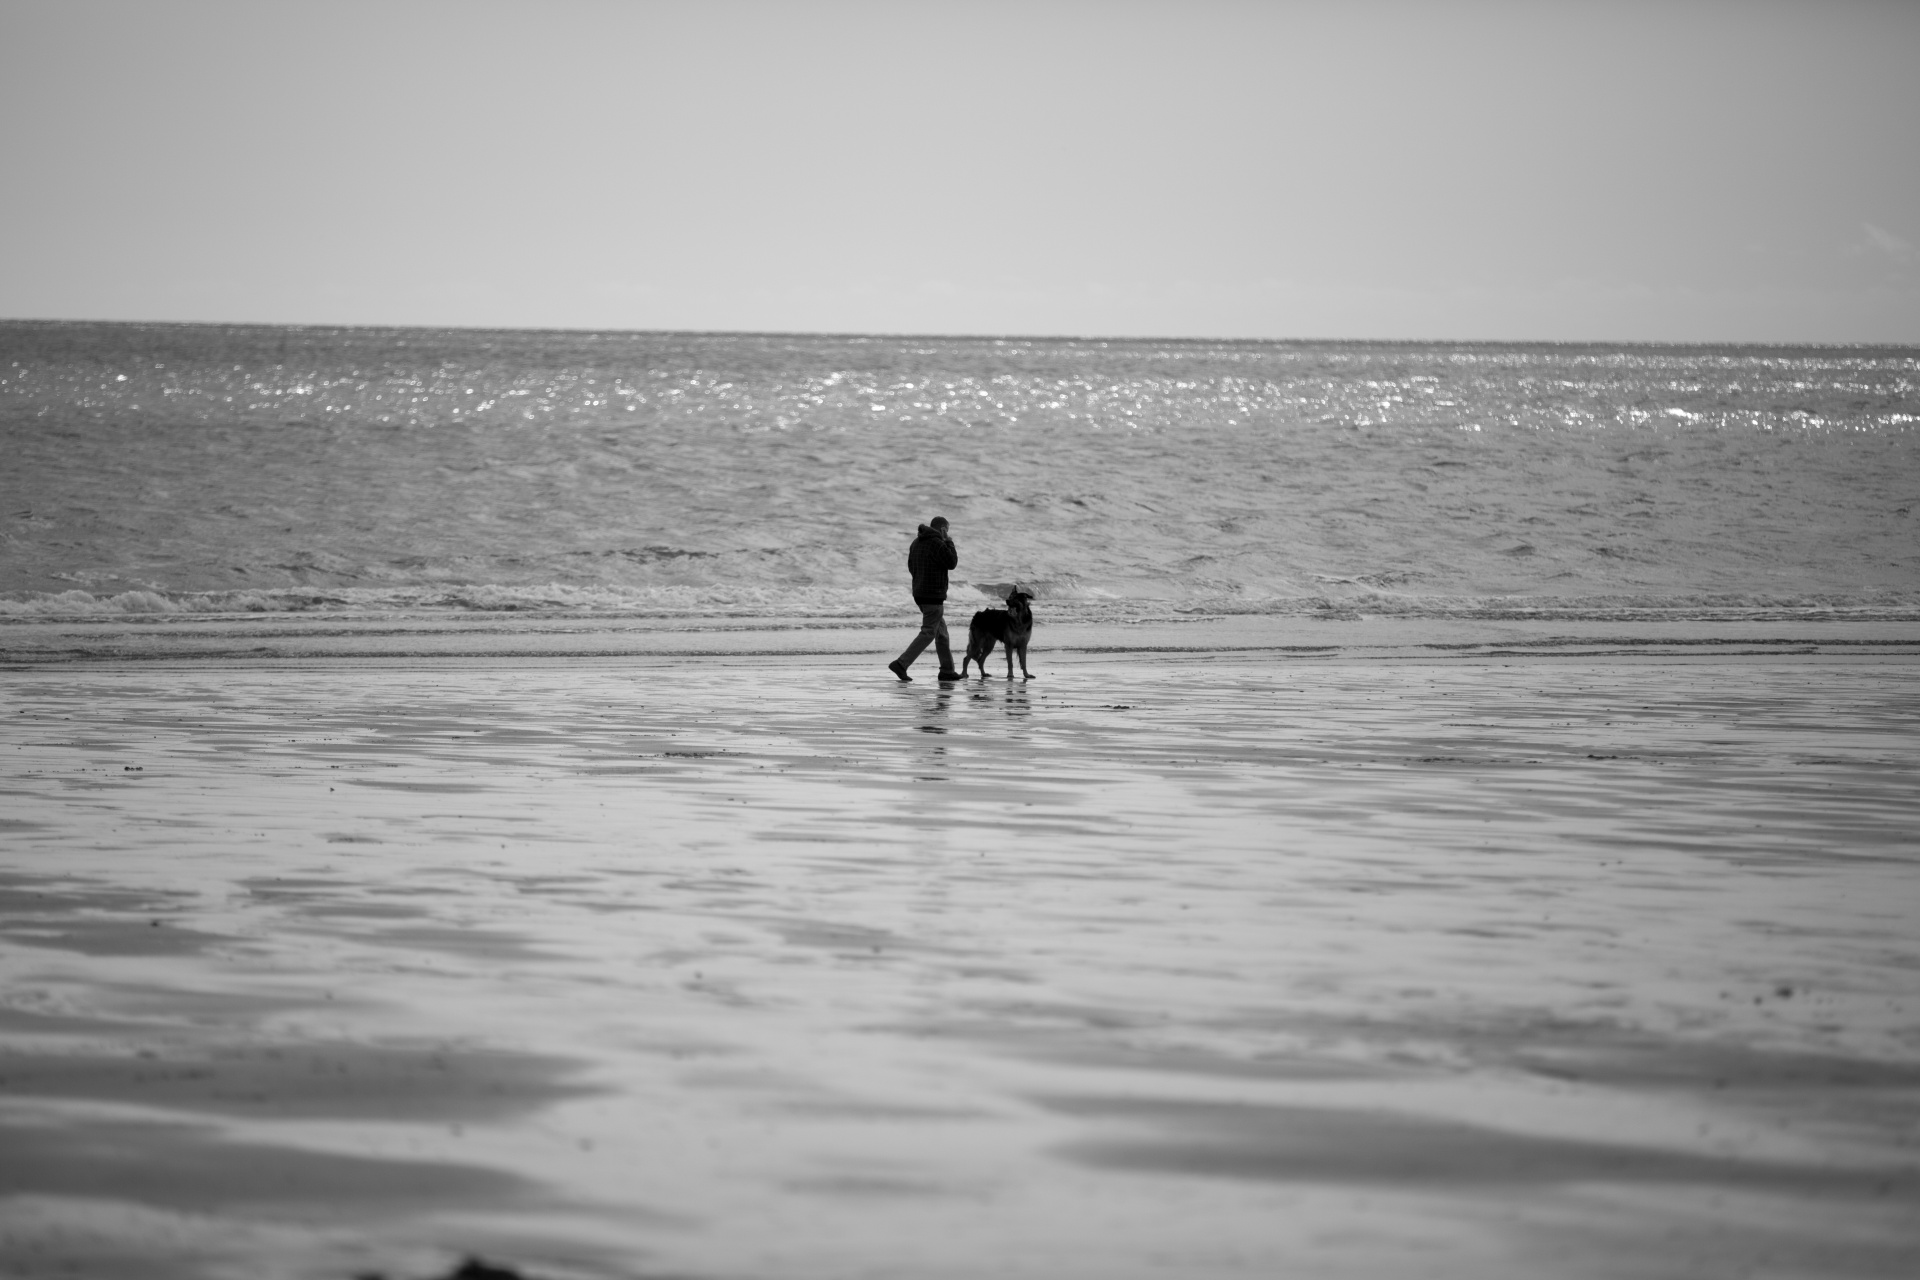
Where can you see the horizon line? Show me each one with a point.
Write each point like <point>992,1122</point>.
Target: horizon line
<point>976,337</point>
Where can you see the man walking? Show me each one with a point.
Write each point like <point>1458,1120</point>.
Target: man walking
<point>928,559</point>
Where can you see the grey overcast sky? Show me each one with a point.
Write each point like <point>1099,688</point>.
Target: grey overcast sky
<point>1680,170</point>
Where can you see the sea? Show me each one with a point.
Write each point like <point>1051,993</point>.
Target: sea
<point>224,472</point>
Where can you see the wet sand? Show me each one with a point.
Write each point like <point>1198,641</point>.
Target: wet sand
<point>1253,965</point>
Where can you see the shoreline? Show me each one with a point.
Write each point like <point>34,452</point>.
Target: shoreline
<point>1293,637</point>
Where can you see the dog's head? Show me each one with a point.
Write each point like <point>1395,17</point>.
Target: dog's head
<point>1020,598</point>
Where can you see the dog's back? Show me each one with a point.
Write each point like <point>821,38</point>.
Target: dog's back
<point>991,622</point>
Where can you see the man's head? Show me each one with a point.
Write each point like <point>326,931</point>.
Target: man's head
<point>939,524</point>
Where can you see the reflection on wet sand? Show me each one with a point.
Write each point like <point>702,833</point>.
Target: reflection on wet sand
<point>1197,968</point>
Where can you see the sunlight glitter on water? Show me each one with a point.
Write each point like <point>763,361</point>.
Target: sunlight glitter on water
<point>240,469</point>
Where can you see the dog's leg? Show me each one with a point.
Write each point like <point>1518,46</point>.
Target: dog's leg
<point>1024,673</point>
<point>986,648</point>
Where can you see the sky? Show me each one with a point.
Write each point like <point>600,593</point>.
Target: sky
<point>1679,171</point>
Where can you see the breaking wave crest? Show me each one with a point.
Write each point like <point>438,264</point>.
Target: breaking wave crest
<point>549,598</point>
<point>1062,597</point>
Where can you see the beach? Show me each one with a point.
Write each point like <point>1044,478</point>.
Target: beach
<point>1319,959</point>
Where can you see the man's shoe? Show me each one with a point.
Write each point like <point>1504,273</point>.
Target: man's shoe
<point>951,675</point>
<point>899,670</point>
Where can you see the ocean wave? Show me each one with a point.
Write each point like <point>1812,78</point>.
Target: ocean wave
<point>1063,597</point>
<point>557,598</point>
<point>545,598</point>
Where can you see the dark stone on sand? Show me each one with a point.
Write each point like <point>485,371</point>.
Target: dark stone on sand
<point>480,1269</point>
<point>469,1269</point>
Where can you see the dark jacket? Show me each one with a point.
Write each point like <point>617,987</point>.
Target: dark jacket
<point>929,558</point>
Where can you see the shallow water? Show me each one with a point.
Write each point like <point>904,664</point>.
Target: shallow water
<point>1208,968</point>
<point>209,469</point>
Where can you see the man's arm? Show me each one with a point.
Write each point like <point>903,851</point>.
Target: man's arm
<point>953,555</point>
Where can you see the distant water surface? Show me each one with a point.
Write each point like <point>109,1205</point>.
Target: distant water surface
<point>207,469</point>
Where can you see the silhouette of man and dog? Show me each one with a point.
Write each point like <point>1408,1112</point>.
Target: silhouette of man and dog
<point>929,559</point>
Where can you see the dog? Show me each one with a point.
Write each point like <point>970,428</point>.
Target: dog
<point>1011,627</point>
